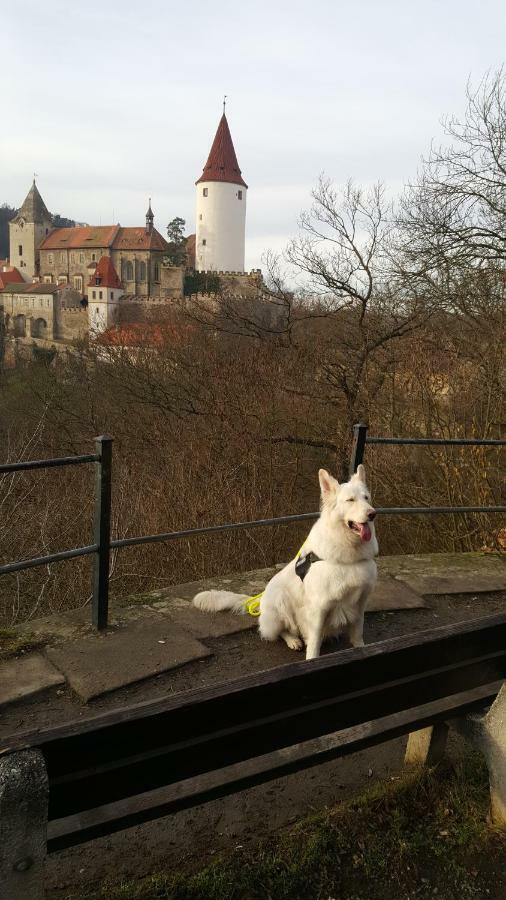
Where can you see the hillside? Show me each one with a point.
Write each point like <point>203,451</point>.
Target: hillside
<point>6,214</point>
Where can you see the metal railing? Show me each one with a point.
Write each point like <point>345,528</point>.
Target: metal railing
<point>103,545</point>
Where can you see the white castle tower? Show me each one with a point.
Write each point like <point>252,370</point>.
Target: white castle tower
<point>104,292</point>
<point>221,208</point>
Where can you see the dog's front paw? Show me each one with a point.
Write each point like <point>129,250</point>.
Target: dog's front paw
<point>294,643</point>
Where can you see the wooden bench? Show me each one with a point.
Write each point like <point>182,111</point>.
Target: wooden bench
<point>138,763</point>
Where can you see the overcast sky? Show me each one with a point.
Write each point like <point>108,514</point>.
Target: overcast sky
<point>113,101</point>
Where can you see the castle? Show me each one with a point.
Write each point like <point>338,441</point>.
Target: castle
<point>63,283</point>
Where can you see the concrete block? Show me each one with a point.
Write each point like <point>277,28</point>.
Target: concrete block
<point>389,593</point>
<point>20,678</point>
<point>447,573</point>
<point>427,746</point>
<point>488,733</point>
<point>132,652</point>
<point>204,625</point>
<point>24,796</point>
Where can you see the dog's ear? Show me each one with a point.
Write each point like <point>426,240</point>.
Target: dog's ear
<point>328,484</point>
<point>360,474</point>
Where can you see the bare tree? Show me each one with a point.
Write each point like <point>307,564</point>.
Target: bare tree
<point>455,213</point>
<point>354,307</point>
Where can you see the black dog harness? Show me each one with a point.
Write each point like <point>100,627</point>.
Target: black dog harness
<point>304,563</point>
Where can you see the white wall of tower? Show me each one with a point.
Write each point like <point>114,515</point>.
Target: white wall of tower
<point>103,307</point>
<point>220,226</point>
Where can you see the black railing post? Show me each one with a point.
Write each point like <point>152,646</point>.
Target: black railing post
<point>358,446</point>
<point>102,532</point>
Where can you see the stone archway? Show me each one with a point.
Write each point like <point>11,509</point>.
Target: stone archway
<point>19,325</point>
<point>39,328</point>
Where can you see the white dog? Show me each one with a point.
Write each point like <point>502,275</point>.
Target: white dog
<point>324,591</point>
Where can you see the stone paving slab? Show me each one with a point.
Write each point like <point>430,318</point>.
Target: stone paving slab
<point>101,663</point>
<point>24,677</point>
<point>247,583</point>
<point>390,593</point>
<point>203,624</point>
<point>448,573</point>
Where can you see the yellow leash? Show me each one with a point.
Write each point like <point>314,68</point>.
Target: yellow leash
<point>253,603</point>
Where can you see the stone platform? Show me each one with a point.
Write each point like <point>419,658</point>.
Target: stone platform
<point>161,635</point>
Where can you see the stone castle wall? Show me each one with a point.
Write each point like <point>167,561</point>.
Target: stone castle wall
<point>172,281</point>
<point>73,324</point>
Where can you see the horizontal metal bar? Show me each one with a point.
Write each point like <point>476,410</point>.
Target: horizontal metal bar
<point>45,560</point>
<point>212,529</point>
<point>49,463</point>
<point>284,520</point>
<point>458,442</point>
<point>236,526</point>
<point>422,510</point>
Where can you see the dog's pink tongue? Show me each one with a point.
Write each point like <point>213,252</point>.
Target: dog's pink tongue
<point>365,531</point>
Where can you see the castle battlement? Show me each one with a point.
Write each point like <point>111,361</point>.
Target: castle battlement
<point>254,272</point>
<point>139,299</point>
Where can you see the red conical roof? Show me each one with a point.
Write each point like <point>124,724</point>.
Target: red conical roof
<point>222,163</point>
<point>107,274</point>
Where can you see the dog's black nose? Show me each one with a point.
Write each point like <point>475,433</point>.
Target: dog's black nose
<point>371,515</point>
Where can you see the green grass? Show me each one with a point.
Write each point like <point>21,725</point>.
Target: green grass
<point>146,597</point>
<point>14,644</point>
<point>422,836</point>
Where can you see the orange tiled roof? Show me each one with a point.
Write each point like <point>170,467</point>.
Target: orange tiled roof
<point>222,162</point>
<point>10,276</point>
<point>139,239</point>
<point>146,334</point>
<point>107,274</point>
<point>33,288</point>
<point>80,237</point>
<point>114,237</point>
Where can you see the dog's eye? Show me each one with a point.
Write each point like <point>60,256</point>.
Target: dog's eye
<point>366,497</point>
<point>350,500</point>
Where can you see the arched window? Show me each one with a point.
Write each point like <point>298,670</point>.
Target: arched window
<point>157,271</point>
<point>129,271</point>
<point>142,271</point>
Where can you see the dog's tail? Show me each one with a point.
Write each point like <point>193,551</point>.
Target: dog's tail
<point>219,601</point>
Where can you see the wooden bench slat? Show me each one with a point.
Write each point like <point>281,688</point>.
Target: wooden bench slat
<point>175,760</point>
<point>107,819</point>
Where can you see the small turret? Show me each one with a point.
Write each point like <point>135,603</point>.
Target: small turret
<point>149,219</point>
<point>104,292</point>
